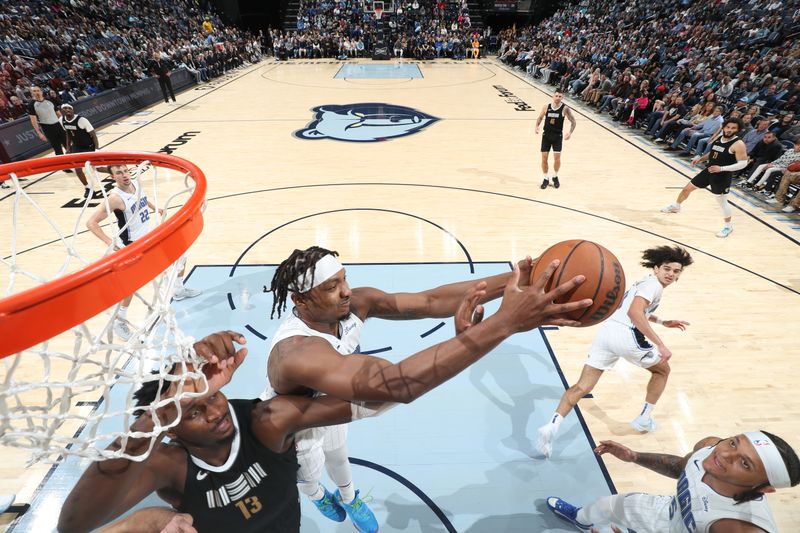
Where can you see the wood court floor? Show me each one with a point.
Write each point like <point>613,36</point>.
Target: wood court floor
<point>470,182</point>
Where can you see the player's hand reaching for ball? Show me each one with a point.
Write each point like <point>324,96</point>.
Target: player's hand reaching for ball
<point>623,453</point>
<point>525,268</point>
<point>528,307</point>
<point>469,311</point>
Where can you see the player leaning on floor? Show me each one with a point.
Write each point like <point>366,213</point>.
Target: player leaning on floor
<point>721,488</point>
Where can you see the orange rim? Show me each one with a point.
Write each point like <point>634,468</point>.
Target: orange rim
<point>35,315</point>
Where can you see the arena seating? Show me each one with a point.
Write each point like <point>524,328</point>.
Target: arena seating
<point>634,59</point>
<point>421,29</point>
<point>79,49</point>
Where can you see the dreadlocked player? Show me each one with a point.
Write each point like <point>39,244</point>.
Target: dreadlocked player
<point>316,351</point>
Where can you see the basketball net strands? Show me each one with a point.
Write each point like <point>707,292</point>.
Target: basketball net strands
<point>59,356</point>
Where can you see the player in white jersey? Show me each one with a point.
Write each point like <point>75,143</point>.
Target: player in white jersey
<point>721,488</point>
<point>315,351</point>
<point>131,208</point>
<point>627,333</point>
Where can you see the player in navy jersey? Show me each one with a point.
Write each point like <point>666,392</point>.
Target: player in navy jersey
<point>727,155</point>
<point>553,116</point>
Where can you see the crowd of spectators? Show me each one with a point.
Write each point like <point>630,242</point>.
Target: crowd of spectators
<point>675,70</point>
<point>78,48</point>
<point>420,29</point>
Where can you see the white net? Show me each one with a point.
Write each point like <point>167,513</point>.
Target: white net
<point>73,394</point>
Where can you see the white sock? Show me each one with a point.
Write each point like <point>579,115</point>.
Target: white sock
<point>338,466</point>
<point>179,283</point>
<point>546,178</point>
<point>555,421</point>
<point>316,494</point>
<point>647,409</point>
<point>347,493</point>
<point>122,314</point>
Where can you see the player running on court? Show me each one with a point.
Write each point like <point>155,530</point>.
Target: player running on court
<point>726,155</point>
<point>628,334</point>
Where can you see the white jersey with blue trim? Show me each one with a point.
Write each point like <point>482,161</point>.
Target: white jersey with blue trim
<point>292,326</point>
<point>134,221</point>
<point>697,506</point>
<point>648,288</point>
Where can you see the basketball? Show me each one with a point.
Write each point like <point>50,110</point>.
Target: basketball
<point>605,279</point>
<point>794,167</point>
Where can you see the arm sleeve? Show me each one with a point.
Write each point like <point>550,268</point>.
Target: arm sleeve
<point>739,165</point>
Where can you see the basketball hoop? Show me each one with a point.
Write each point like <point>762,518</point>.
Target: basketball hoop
<point>378,13</point>
<point>63,323</point>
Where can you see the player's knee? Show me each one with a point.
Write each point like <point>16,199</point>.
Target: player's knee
<point>662,368</point>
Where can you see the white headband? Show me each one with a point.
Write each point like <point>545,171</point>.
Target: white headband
<point>777,473</point>
<point>324,269</point>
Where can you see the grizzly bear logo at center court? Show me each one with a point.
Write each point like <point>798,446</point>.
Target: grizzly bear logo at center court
<point>366,122</point>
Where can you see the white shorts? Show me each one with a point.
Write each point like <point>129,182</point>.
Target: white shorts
<point>646,513</point>
<point>615,340</point>
<point>311,445</point>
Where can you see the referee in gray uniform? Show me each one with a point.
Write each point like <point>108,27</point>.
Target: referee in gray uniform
<point>44,118</point>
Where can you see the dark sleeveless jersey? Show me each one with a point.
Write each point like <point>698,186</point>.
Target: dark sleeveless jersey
<point>80,137</point>
<point>554,120</point>
<point>254,491</point>
<point>720,153</point>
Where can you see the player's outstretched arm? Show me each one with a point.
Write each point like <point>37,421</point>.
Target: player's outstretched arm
<point>662,463</point>
<point>315,364</point>
<point>439,302</point>
<point>109,488</point>
<point>276,421</point>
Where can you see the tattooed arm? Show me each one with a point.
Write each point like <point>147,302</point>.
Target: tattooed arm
<point>439,302</point>
<point>664,464</point>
